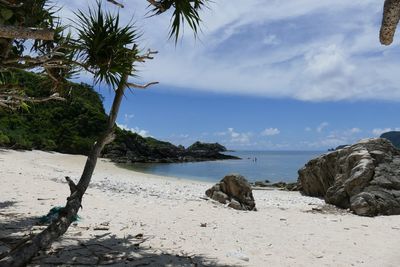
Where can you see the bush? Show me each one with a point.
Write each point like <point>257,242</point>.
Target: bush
<point>4,140</point>
<point>20,142</point>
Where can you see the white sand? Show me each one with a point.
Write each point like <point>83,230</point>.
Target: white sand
<point>169,213</point>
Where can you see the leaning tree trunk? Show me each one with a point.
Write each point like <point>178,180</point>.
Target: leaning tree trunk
<point>21,255</point>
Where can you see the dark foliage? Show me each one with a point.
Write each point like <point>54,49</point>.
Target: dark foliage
<point>69,127</point>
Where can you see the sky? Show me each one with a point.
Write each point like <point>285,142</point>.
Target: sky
<point>263,75</point>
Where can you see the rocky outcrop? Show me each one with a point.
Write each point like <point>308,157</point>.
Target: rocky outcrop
<point>235,191</point>
<point>199,147</point>
<point>364,177</point>
<point>130,147</point>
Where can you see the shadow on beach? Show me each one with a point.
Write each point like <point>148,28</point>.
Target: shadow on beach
<point>98,250</point>
<point>110,250</point>
<point>14,227</point>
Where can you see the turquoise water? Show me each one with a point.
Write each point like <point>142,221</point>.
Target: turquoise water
<point>272,165</point>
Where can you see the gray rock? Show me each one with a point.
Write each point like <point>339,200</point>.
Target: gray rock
<point>220,197</point>
<point>364,177</point>
<point>234,189</point>
<point>235,205</point>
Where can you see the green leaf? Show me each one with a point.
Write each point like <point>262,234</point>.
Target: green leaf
<point>25,106</point>
<point>6,13</point>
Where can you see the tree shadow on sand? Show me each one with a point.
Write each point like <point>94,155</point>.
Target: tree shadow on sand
<point>15,227</point>
<point>107,249</point>
<point>100,250</point>
<point>7,204</point>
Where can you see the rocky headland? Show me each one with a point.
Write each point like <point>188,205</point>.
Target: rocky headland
<point>130,148</point>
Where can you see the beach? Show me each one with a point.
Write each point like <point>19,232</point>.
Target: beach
<point>135,219</point>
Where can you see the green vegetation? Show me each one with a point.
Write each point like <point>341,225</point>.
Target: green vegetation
<point>74,125</point>
<point>70,127</point>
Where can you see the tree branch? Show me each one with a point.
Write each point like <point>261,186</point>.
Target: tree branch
<point>139,86</point>
<point>72,185</point>
<point>15,32</point>
<point>13,99</point>
<point>148,55</point>
<point>4,87</point>
<point>116,3</point>
<point>157,5</point>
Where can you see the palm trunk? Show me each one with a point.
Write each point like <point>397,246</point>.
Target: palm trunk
<point>21,255</point>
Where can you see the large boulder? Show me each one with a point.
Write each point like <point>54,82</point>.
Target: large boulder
<point>235,191</point>
<point>364,177</point>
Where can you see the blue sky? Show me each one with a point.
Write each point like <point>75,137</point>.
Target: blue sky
<point>265,75</point>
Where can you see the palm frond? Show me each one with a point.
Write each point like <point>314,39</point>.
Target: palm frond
<point>103,45</point>
<point>184,11</point>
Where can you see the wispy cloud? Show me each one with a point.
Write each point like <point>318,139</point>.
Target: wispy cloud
<point>322,126</point>
<point>354,130</point>
<point>379,131</point>
<point>270,132</point>
<point>128,117</point>
<point>235,137</point>
<point>141,132</point>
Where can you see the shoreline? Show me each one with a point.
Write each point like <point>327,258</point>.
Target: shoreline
<point>158,220</point>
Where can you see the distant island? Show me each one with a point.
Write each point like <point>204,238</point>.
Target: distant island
<point>130,147</point>
<point>72,127</point>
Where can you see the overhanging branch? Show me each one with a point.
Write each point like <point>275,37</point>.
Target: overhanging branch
<point>148,55</point>
<point>391,17</point>
<point>157,5</point>
<point>116,3</point>
<point>139,86</point>
<point>15,32</point>
<point>12,101</point>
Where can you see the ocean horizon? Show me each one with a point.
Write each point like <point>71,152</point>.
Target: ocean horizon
<point>273,166</point>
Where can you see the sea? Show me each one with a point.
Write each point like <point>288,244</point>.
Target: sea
<point>273,166</point>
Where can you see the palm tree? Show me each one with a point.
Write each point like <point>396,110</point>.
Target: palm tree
<point>37,20</point>
<point>109,51</point>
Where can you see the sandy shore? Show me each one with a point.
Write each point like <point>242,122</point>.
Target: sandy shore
<point>135,219</point>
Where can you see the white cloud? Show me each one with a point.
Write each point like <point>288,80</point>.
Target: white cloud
<point>270,132</point>
<point>322,126</point>
<point>379,131</point>
<point>235,137</point>
<point>271,39</point>
<point>128,117</point>
<point>354,130</point>
<point>326,142</point>
<point>140,132</point>
<point>304,49</point>
<point>308,129</point>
